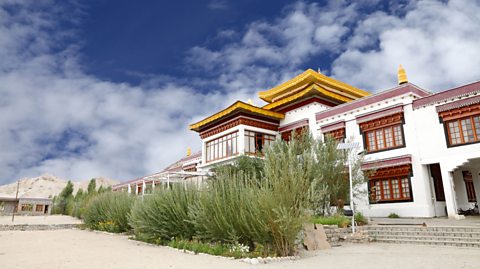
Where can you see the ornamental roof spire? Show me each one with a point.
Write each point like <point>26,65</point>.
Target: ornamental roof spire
<point>402,75</point>
<point>189,151</point>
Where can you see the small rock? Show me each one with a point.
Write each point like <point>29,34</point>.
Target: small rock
<point>254,261</point>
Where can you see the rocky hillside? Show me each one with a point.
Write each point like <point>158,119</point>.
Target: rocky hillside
<point>47,185</point>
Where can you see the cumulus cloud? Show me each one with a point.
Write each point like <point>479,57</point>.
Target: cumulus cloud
<point>56,118</point>
<point>437,43</point>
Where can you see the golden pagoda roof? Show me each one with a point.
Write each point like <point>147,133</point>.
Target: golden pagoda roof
<point>310,90</point>
<point>307,79</point>
<point>236,107</point>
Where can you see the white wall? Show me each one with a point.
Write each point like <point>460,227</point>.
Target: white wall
<point>305,112</point>
<point>422,205</point>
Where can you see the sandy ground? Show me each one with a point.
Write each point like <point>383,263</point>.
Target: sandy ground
<point>85,249</point>
<point>49,219</point>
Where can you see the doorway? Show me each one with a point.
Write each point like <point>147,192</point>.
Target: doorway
<point>439,202</point>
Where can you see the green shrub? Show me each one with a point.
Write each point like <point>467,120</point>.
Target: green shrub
<point>108,212</point>
<point>219,249</point>
<point>393,216</point>
<point>339,220</point>
<point>360,219</point>
<point>228,211</point>
<point>165,214</point>
<point>262,208</point>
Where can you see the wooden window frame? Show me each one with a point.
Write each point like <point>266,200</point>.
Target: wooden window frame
<point>382,129</point>
<point>258,146</point>
<point>213,147</point>
<point>401,190</point>
<point>26,207</point>
<point>476,136</point>
<point>469,186</point>
<point>337,134</point>
<point>287,135</point>
<point>400,173</point>
<point>39,206</point>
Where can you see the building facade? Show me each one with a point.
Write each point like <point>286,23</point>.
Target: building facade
<point>25,206</point>
<point>421,147</point>
<point>182,171</point>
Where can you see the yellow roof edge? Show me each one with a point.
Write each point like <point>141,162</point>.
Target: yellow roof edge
<point>302,93</point>
<point>269,94</point>
<point>233,107</point>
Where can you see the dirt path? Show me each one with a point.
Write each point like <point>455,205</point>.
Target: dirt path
<point>84,249</point>
<point>47,219</point>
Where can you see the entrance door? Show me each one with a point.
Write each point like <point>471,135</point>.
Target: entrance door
<point>45,211</point>
<point>437,182</point>
<point>439,203</point>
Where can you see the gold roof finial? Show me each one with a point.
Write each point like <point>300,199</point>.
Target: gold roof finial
<point>189,151</point>
<point>402,75</point>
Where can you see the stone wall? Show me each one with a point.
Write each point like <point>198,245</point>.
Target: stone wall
<point>337,235</point>
<point>37,227</point>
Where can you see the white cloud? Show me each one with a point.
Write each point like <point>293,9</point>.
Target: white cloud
<point>437,43</point>
<point>55,118</point>
<point>218,4</point>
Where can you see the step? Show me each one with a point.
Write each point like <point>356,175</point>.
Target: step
<point>475,235</point>
<point>428,228</point>
<point>428,238</point>
<point>432,242</point>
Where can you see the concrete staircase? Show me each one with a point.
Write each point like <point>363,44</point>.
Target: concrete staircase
<point>457,236</point>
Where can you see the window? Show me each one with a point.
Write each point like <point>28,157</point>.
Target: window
<point>467,177</point>
<point>390,189</point>
<point>26,207</point>
<point>338,134</point>
<point>297,132</point>
<point>464,130</point>
<point>384,138</point>
<point>255,142</point>
<point>222,147</point>
<point>39,208</point>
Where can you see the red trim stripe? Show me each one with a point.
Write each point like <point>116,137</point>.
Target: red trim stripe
<point>397,91</point>
<point>293,125</point>
<point>395,161</point>
<point>380,113</point>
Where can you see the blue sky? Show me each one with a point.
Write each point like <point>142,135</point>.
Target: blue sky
<point>124,41</point>
<point>108,88</point>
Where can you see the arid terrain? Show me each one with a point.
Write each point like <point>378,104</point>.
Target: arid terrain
<point>47,186</point>
<point>76,249</point>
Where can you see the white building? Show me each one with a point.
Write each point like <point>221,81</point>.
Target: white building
<point>422,146</point>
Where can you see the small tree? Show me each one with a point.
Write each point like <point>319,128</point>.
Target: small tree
<point>64,198</point>
<point>92,186</point>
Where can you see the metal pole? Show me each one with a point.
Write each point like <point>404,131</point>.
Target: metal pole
<point>16,200</point>
<point>351,191</point>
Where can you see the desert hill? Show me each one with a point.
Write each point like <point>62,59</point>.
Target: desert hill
<point>47,185</point>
